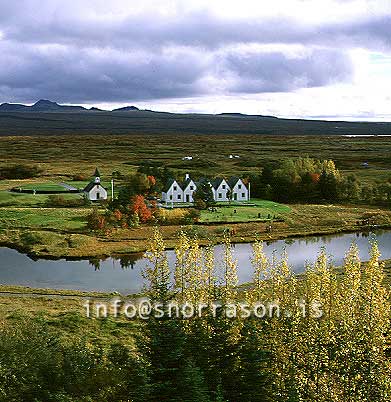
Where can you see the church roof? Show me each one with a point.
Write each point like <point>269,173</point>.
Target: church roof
<point>97,173</point>
<point>90,186</point>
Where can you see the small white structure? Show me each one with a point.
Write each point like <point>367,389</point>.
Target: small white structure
<point>188,187</point>
<point>220,190</point>
<point>94,190</point>
<point>173,192</point>
<point>223,190</point>
<point>239,191</point>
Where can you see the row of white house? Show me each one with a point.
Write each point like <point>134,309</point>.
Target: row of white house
<point>223,190</point>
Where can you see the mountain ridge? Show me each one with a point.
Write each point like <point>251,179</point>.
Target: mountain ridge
<point>49,118</point>
<point>45,105</point>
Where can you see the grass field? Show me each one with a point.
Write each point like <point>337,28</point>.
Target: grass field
<point>10,199</point>
<point>63,157</point>
<point>43,187</point>
<point>48,218</point>
<point>260,211</point>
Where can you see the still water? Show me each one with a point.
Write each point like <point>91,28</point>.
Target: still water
<point>124,275</point>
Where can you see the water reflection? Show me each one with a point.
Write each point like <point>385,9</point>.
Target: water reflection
<point>123,273</point>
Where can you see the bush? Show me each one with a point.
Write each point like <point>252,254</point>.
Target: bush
<point>20,172</point>
<point>62,202</point>
<point>80,177</point>
<point>30,239</point>
<point>96,221</point>
<point>38,364</point>
<point>177,216</point>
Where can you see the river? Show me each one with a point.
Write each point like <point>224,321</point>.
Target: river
<point>124,275</point>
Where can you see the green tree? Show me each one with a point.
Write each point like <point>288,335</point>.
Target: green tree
<point>328,186</point>
<point>203,196</point>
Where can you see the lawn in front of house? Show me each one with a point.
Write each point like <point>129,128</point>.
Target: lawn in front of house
<point>256,210</point>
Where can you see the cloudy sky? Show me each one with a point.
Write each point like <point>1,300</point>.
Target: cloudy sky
<point>290,58</point>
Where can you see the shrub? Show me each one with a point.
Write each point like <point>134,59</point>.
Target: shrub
<point>80,177</point>
<point>20,172</point>
<point>30,238</point>
<point>96,221</point>
<point>177,216</point>
<point>61,201</point>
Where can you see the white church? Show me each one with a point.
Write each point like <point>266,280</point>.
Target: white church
<point>232,189</point>
<point>94,190</point>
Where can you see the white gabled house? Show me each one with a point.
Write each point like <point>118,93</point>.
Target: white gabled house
<point>239,191</point>
<point>94,190</point>
<point>223,190</point>
<point>220,190</point>
<point>172,193</point>
<point>188,187</point>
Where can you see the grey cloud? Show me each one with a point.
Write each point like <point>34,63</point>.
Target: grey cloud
<point>275,72</point>
<point>201,29</point>
<point>73,75</point>
<point>69,55</point>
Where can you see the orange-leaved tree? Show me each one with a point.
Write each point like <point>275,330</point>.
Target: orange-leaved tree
<point>139,207</point>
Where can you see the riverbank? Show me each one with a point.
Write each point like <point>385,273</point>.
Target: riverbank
<point>73,243</point>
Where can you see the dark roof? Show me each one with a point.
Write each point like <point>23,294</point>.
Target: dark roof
<point>232,181</point>
<point>185,183</point>
<point>169,183</point>
<point>216,182</point>
<point>202,180</point>
<point>96,174</point>
<point>91,185</point>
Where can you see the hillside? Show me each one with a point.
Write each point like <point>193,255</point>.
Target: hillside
<point>49,118</point>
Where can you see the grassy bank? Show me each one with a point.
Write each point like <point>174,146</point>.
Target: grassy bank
<point>60,232</point>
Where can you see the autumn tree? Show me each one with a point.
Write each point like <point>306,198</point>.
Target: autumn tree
<point>139,207</point>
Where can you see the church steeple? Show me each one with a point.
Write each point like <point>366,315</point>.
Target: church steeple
<point>97,176</point>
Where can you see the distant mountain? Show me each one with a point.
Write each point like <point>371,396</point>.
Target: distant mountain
<point>12,107</point>
<point>260,116</point>
<point>43,105</point>
<point>126,109</point>
<point>49,118</point>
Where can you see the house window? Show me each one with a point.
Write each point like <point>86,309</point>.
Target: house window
<point>239,186</point>
<point>171,197</point>
<point>179,196</point>
<point>175,188</point>
<point>220,195</point>
<point>243,195</point>
<point>191,187</point>
<point>223,186</point>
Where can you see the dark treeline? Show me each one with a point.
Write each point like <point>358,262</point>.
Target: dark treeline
<point>310,180</point>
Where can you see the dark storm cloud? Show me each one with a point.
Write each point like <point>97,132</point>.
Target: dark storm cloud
<point>201,29</point>
<point>274,72</point>
<point>74,56</point>
<point>73,75</point>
